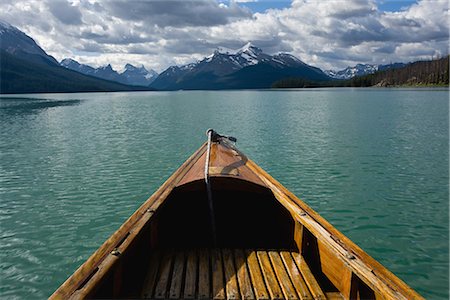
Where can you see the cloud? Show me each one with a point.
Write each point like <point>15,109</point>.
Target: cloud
<point>178,13</point>
<point>65,12</point>
<point>327,34</point>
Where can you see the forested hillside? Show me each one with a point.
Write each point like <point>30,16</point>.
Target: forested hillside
<point>434,72</point>
<point>420,73</point>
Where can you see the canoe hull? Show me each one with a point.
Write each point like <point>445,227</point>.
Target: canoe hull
<point>254,216</point>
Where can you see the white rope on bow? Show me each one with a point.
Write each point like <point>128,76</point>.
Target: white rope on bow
<point>210,133</point>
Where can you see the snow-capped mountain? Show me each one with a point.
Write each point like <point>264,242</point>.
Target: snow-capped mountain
<point>20,45</point>
<point>361,70</point>
<point>74,65</point>
<point>131,75</point>
<point>27,68</point>
<point>226,68</point>
<point>350,72</point>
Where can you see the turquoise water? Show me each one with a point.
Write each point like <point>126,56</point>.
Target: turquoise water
<point>373,162</point>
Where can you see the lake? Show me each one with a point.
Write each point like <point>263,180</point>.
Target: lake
<point>74,167</point>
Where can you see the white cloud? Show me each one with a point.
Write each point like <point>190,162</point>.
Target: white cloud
<point>328,34</point>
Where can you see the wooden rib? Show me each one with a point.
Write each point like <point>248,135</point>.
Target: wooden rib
<point>296,277</point>
<point>230,275</point>
<point>256,276</point>
<point>164,276</point>
<point>269,276</point>
<point>310,280</point>
<point>245,284</point>
<point>177,276</point>
<point>149,283</point>
<point>283,278</point>
<point>218,289</point>
<point>191,275</point>
<point>203,275</point>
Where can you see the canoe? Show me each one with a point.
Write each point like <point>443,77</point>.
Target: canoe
<point>222,228</point>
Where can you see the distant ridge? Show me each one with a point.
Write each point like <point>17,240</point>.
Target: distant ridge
<point>420,73</point>
<point>361,70</point>
<point>131,75</point>
<point>27,68</point>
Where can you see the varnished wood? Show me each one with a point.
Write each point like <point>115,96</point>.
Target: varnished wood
<point>224,162</point>
<point>256,276</point>
<point>334,296</point>
<point>177,276</point>
<point>309,278</point>
<point>283,278</point>
<point>136,222</point>
<point>164,276</point>
<point>230,275</point>
<point>190,282</point>
<point>218,287</point>
<point>369,270</point>
<point>297,279</point>
<point>298,235</point>
<point>204,275</point>
<point>348,268</point>
<point>245,284</point>
<point>269,276</point>
<point>274,269</point>
<point>149,283</point>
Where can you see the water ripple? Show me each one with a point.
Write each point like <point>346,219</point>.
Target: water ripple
<point>73,167</point>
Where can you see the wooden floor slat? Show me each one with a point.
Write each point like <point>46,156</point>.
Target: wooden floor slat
<point>164,276</point>
<point>245,284</point>
<point>230,274</point>
<point>177,276</point>
<point>218,287</point>
<point>310,280</point>
<point>296,276</point>
<point>256,276</point>
<point>190,281</point>
<point>149,283</point>
<point>204,274</point>
<point>282,276</point>
<point>269,276</point>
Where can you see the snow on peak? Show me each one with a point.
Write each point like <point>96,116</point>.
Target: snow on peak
<point>224,50</point>
<point>228,60</point>
<point>350,72</point>
<point>246,47</point>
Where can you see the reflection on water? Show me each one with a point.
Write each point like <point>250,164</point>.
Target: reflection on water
<point>372,162</point>
<point>29,105</point>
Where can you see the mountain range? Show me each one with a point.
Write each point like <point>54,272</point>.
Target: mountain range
<point>131,75</point>
<point>361,70</point>
<point>27,68</point>
<point>246,68</point>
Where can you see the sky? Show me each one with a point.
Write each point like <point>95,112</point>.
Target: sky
<point>329,34</point>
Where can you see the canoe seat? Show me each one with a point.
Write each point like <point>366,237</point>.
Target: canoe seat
<point>230,274</point>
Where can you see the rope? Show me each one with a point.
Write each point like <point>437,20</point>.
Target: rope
<point>210,132</point>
